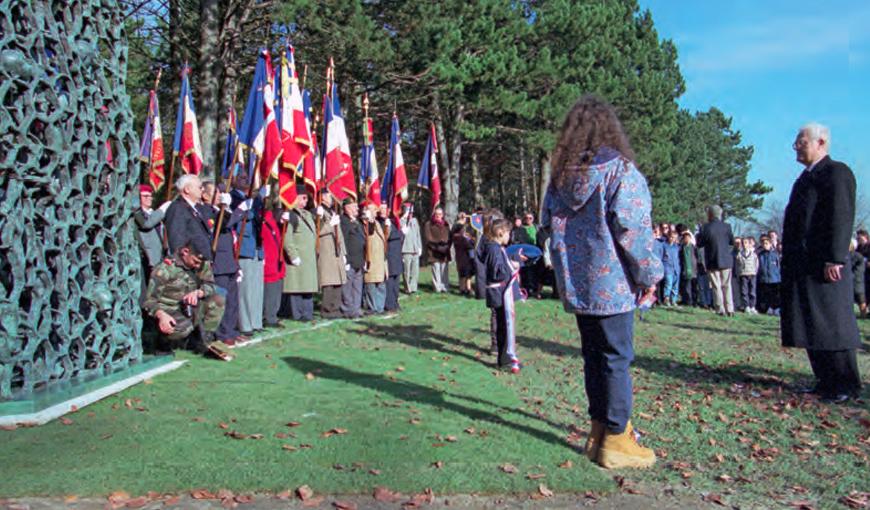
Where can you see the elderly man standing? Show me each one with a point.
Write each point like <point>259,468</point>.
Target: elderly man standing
<point>437,233</point>
<point>412,247</point>
<point>816,284</point>
<point>716,238</point>
<point>184,219</point>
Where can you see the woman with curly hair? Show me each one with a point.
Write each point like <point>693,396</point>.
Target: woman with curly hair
<point>597,209</point>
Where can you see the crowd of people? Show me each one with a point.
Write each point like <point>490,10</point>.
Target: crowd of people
<point>221,265</point>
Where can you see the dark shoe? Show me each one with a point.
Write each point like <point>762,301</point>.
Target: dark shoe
<point>807,390</point>
<point>835,398</point>
<point>273,325</point>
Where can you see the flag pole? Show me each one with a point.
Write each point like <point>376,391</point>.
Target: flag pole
<point>254,177</point>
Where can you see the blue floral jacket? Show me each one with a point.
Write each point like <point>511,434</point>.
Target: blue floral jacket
<point>602,241</point>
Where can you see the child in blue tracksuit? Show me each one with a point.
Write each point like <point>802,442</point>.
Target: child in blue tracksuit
<point>769,278</point>
<point>671,262</point>
<point>501,273</point>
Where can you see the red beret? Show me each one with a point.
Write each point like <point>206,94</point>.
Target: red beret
<point>146,188</point>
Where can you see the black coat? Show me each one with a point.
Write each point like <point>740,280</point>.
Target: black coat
<point>354,242</point>
<point>717,238</point>
<point>395,264</point>
<point>817,228</point>
<point>498,273</point>
<point>224,257</point>
<point>183,224</point>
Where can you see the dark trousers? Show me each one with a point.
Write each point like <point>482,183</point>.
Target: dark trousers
<point>768,296</point>
<point>836,371</point>
<point>302,307</point>
<point>330,301</point>
<point>493,327</point>
<point>687,291</point>
<point>272,302</point>
<point>705,292</point>
<point>391,304</point>
<point>607,353</point>
<point>229,323</point>
<point>747,291</point>
<point>500,334</point>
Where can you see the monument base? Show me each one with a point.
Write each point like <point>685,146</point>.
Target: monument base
<point>46,405</point>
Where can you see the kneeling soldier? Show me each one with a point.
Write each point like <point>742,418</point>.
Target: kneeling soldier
<point>182,298</point>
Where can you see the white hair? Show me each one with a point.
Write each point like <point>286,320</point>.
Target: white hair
<point>184,181</point>
<point>816,131</point>
<point>853,244</point>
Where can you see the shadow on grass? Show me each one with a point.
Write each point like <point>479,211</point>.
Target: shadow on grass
<point>409,391</point>
<point>719,331</point>
<point>419,336</point>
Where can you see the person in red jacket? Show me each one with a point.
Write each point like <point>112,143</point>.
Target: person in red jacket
<point>273,269</point>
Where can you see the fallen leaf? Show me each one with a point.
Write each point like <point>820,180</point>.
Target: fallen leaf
<point>544,491</point>
<point>292,424</point>
<point>313,502</point>
<point>714,498</point>
<point>333,432</point>
<point>451,439</point>
<point>509,468</point>
<point>284,495</point>
<point>71,498</point>
<point>256,436</point>
<point>724,478</point>
<point>344,505</point>
<point>415,421</point>
<point>438,464</point>
<point>400,369</point>
<point>289,447</point>
<point>535,476</point>
<point>385,495</point>
<point>223,425</point>
<point>66,421</point>
<point>225,494</point>
<point>244,498</point>
<point>118,497</point>
<point>236,434</point>
<point>567,464</point>
<point>304,493</point>
<point>281,435</point>
<point>469,430</point>
<point>137,502</point>
<point>229,503</point>
<point>201,494</point>
<point>171,500</point>
<point>309,376</point>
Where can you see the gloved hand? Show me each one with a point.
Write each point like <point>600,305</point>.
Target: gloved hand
<point>320,210</point>
<point>246,205</point>
<point>264,191</point>
<point>347,267</point>
<point>165,205</point>
<point>240,276</point>
<point>296,262</point>
<point>405,230</point>
<point>225,199</point>
<point>285,216</point>
<point>334,221</point>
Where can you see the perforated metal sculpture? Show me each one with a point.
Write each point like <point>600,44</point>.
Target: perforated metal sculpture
<point>69,268</point>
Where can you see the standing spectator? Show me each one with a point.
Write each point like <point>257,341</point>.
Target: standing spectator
<point>395,241</point>
<point>274,266</point>
<point>747,269</point>
<point>501,272</point>
<point>518,232</point>
<point>817,286</point>
<point>768,278</point>
<point>858,262</point>
<point>705,292</point>
<point>463,248</point>
<point>671,264</point>
<point>437,233</point>
<point>717,239</point>
<point>300,280</point>
<point>597,208</point>
<point>864,249</point>
<point>331,258</point>
<point>376,260</point>
<point>250,248</point>
<point>774,239</point>
<point>225,267</point>
<point>689,270</point>
<point>149,233</point>
<point>355,243</point>
<point>412,247</point>
<point>529,273</point>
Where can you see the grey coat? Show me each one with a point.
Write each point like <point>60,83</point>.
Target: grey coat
<point>413,243</point>
<point>150,238</point>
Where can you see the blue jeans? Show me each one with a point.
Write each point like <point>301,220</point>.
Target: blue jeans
<point>672,285</point>
<point>375,296</point>
<point>607,353</point>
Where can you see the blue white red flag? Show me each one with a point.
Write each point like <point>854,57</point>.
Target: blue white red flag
<point>368,165</point>
<point>311,171</point>
<point>259,129</point>
<point>429,178</point>
<point>228,166</point>
<point>295,137</point>
<point>186,144</point>
<point>338,171</point>
<point>394,188</point>
<point>151,151</point>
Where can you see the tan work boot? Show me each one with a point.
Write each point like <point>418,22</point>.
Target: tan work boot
<point>593,440</point>
<point>622,451</point>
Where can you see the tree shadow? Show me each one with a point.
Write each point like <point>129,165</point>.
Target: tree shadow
<point>696,328</point>
<point>545,346</point>
<point>409,391</point>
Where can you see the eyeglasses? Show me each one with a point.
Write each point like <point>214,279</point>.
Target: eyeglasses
<point>800,144</point>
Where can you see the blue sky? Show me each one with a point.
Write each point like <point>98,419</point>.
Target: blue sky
<point>772,66</point>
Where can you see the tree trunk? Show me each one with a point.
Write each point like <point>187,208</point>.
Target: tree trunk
<point>546,171</point>
<point>524,188</point>
<point>475,180</point>
<point>450,176</point>
<point>208,83</point>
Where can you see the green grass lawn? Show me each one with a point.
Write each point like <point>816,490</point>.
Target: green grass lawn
<point>413,402</point>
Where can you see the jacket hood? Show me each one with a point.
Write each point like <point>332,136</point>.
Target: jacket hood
<point>585,184</point>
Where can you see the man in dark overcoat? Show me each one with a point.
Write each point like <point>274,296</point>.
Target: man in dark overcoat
<point>184,221</point>
<point>816,287</point>
<point>717,240</point>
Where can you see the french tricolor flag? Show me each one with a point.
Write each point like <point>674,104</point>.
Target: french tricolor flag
<point>339,167</point>
<point>186,144</point>
<point>259,130</point>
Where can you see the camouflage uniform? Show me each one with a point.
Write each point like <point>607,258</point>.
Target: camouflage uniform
<point>170,282</point>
